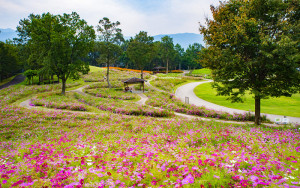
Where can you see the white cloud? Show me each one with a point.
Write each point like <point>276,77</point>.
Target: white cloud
<point>174,16</point>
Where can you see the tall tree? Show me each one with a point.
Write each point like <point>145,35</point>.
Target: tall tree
<point>192,55</point>
<point>60,42</point>
<point>141,50</point>
<point>167,50</point>
<point>252,46</point>
<point>111,38</point>
<point>9,61</point>
<point>179,52</point>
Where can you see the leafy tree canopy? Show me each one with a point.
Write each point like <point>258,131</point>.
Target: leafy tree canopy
<point>58,43</point>
<point>141,50</point>
<point>253,45</point>
<point>109,47</point>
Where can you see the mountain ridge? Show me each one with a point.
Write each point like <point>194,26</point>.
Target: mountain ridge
<point>184,39</point>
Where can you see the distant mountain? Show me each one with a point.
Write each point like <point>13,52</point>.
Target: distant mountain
<point>7,34</point>
<point>184,39</point>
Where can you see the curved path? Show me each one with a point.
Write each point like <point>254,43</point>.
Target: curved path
<point>18,79</point>
<point>188,91</point>
<point>142,101</point>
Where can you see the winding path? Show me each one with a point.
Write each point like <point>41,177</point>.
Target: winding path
<point>188,91</point>
<point>18,79</point>
<point>179,93</point>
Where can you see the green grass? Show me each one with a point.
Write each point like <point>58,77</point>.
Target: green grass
<point>286,106</point>
<point>202,71</point>
<point>176,75</point>
<point>96,69</point>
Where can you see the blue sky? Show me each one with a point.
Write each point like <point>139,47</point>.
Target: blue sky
<point>153,16</point>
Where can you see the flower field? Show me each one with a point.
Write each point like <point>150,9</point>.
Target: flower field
<point>40,148</point>
<point>58,101</point>
<point>168,101</point>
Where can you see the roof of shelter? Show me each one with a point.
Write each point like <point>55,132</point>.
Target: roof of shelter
<point>134,80</point>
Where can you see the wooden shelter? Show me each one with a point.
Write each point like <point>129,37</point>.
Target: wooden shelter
<point>159,70</point>
<point>134,80</point>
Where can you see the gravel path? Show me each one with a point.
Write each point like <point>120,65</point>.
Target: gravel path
<point>188,91</point>
<point>18,79</point>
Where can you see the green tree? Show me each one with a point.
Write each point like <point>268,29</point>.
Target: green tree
<point>58,42</point>
<point>167,50</point>
<point>179,52</point>
<point>9,61</point>
<point>252,46</point>
<point>192,55</point>
<point>111,39</point>
<point>141,50</point>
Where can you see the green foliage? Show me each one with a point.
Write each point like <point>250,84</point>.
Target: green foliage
<point>191,56</point>
<point>30,74</point>
<point>141,50</point>
<point>167,50</point>
<point>109,47</point>
<point>252,46</point>
<point>58,43</point>
<point>9,60</point>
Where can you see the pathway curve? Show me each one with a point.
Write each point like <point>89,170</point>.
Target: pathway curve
<point>142,101</point>
<point>18,79</point>
<point>26,103</point>
<point>188,91</point>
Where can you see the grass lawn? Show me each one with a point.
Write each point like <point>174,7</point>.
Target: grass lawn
<point>176,75</point>
<point>288,106</point>
<point>201,71</point>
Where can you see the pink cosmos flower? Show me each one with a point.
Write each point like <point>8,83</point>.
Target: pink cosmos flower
<point>188,179</point>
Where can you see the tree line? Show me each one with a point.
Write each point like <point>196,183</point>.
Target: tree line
<point>65,45</point>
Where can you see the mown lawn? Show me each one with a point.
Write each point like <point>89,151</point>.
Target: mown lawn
<point>286,106</point>
<point>202,71</point>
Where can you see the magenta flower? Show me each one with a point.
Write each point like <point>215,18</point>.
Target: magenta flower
<point>188,179</point>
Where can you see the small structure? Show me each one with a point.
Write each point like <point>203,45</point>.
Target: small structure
<point>134,80</point>
<point>159,70</point>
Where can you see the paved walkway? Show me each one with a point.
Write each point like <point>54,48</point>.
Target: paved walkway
<point>18,79</point>
<point>188,91</point>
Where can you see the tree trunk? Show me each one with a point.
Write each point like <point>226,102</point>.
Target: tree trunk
<point>58,78</point>
<point>257,110</point>
<point>107,76</point>
<point>167,68</point>
<point>52,79</point>
<point>63,89</point>
<point>142,75</point>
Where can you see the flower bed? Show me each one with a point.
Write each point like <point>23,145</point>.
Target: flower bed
<point>62,150</point>
<point>120,107</point>
<point>58,101</point>
<point>167,84</point>
<point>170,102</point>
<point>111,93</point>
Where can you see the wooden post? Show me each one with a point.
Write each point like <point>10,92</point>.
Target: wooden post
<point>143,87</point>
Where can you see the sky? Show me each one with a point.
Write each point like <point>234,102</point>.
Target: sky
<point>154,16</point>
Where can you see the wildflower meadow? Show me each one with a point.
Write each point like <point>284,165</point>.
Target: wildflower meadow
<point>101,138</point>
